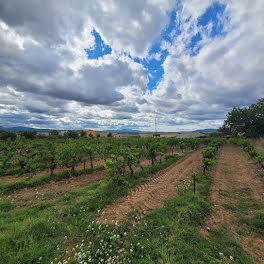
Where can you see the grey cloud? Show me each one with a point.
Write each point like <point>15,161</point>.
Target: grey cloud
<point>122,116</point>
<point>47,21</point>
<point>227,72</point>
<point>126,108</point>
<point>97,85</point>
<point>37,59</point>
<point>118,22</point>
<point>48,81</point>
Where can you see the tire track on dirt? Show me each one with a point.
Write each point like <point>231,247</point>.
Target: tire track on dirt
<point>53,190</point>
<point>231,177</point>
<point>151,195</point>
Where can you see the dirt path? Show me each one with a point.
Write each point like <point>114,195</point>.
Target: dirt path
<point>236,194</point>
<point>159,187</point>
<point>52,190</point>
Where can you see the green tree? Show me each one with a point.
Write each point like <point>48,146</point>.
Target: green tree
<point>246,121</point>
<point>7,153</point>
<point>53,134</point>
<point>83,134</point>
<point>90,151</point>
<point>151,152</point>
<point>69,154</point>
<point>161,149</point>
<point>115,167</point>
<point>71,134</point>
<point>49,156</point>
<point>28,134</point>
<point>4,135</point>
<point>130,158</point>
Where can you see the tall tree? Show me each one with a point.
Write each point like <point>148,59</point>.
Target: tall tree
<point>246,121</point>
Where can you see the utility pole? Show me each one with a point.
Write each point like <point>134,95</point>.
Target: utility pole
<point>155,122</point>
<point>194,182</point>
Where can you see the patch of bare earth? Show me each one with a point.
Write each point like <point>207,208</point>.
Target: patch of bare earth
<point>52,190</point>
<point>158,188</point>
<point>233,181</point>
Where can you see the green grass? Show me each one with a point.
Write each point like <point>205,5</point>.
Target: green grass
<point>5,206</point>
<point>166,235</point>
<point>39,232</point>
<point>256,223</point>
<point>171,233</point>
<point>44,233</point>
<point>9,187</point>
<point>253,224</point>
<point>248,211</point>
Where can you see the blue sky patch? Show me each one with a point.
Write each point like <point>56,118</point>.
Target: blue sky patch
<point>156,56</point>
<point>100,48</point>
<point>194,44</point>
<point>212,15</point>
<point>154,67</point>
<point>153,64</point>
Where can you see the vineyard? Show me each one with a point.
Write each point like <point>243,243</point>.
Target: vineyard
<point>134,200</point>
<point>26,159</point>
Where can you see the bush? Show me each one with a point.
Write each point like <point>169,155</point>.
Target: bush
<point>209,153</point>
<point>249,147</point>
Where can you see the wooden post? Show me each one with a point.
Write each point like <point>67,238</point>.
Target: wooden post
<point>194,182</point>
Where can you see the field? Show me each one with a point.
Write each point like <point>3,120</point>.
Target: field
<point>131,201</point>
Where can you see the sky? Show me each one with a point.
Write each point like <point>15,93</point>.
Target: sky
<point>114,64</point>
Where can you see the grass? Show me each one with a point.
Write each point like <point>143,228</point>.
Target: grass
<point>5,206</point>
<point>249,213</point>
<point>259,144</point>
<point>41,233</point>
<point>256,223</point>
<point>166,235</point>
<point>9,187</point>
<point>66,230</point>
<point>171,233</point>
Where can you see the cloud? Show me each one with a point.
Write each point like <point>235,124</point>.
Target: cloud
<point>198,58</point>
<point>37,70</point>
<point>118,22</point>
<point>225,73</point>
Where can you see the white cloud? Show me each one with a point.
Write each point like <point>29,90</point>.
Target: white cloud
<point>46,78</point>
<point>227,72</point>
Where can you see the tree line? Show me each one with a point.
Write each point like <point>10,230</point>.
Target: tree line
<point>245,121</point>
<point>52,134</point>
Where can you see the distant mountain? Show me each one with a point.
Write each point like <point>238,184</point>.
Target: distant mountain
<point>207,130</point>
<point>123,131</point>
<point>21,128</point>
<point>16,129</point>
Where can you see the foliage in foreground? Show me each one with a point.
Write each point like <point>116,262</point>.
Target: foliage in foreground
<point>166,235</point>
<point>42,233</point>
